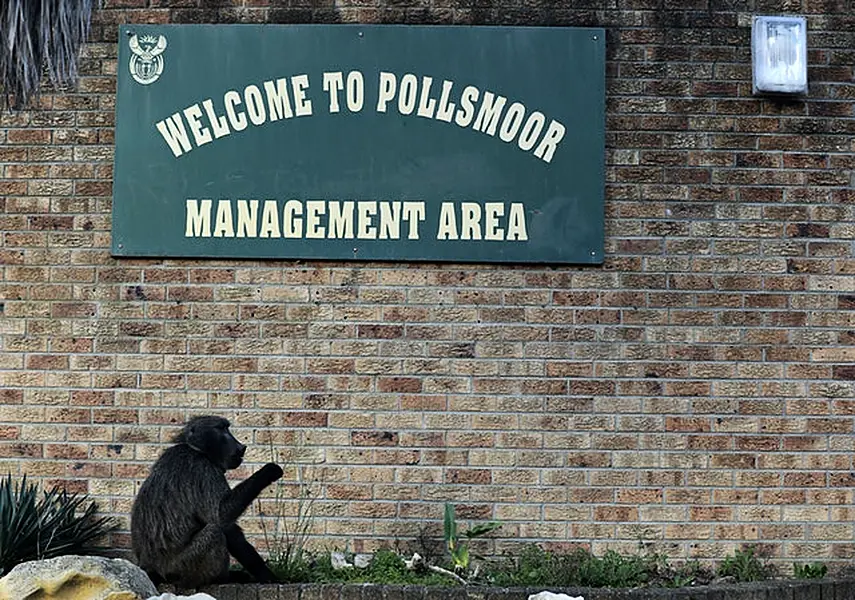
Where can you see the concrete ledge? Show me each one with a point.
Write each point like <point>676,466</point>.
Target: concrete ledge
<point>819,589</point>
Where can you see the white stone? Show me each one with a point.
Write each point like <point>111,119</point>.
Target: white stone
<point>339,561</point>
<point>169,596</point>
<point>553,596</point>
<point>362,560</point>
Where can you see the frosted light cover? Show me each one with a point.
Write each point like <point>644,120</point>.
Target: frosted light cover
<point>779,54</point>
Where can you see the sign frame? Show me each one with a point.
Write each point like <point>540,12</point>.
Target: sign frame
<point>507,195</point>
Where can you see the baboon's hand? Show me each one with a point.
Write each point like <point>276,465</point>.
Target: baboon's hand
<point>233,504</point>
<point>270,473</point>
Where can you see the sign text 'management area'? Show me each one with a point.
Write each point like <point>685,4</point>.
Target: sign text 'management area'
<point>400,152</point>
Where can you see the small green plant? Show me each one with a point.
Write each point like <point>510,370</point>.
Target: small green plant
<point>683,574</point>
<point>458,550</point>
<point>287,539</point>
<point>816,570</point>
<point>744,566</point>
<point>614,570</point>
<point>33,528</point>
<point>538,567</point>
<point>386,567</point>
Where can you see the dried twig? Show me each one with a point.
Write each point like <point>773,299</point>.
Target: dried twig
<point>417,561</point>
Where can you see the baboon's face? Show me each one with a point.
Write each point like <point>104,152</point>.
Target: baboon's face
<point>211,437</point>
<point>233,450</point>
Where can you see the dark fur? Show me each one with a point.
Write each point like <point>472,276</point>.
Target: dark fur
<point>183,522</point>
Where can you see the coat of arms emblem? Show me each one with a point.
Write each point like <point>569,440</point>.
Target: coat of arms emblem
<point>146,63</point>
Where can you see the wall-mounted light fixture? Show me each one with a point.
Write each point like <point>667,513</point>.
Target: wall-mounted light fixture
<point>779,55</point>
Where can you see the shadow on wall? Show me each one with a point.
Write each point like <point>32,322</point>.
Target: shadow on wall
<point>423,12</point>
<point>259,11</point>
<point>532,13</point>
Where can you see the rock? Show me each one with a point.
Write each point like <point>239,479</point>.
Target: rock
<point>362,560</point>
<point>170,596</point>
<point>338,561</point>
<point>553,596</point>
<point>77,578</point>
<point>415,562</point>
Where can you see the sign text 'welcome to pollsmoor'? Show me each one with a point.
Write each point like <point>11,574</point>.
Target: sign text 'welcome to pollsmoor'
<point>207,122</point>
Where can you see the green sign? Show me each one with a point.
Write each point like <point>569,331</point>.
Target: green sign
<point>461,144</point>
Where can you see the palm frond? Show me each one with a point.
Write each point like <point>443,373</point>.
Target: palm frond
<point>58,523</point>
<point>38,37</point>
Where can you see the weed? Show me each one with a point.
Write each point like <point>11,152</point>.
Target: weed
<point>685,574</point>
<point>538,567</point>
<point>745,565</point>
<point>816,570</point>
<point>460,551</point>
<point>286,541</point>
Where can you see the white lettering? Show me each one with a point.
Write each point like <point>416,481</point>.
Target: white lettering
<point>489,113</point>
<point>407,95</point>
<point>237,119</point>
<point>493,210</point>
<point>390,220</point>
<point>467,106</point>
<point>247,219</point>
<point>447,222</point>
<point>198,218</point>
<point>516,227</point>
<point>340,223</point>
<point>531,131</point>
<point>355,91</point>
<point>314,210</point>
<point>255,105</point>
<point>278,104</point>
<point>269,220</point>
<point>446,108</point>
<point>224,227</point>
<point>512,122</point>
<point>484,111</point>
<point>470,221</point>
<point>388,83</point>
<point>302,105</point>
<point>553,135</point>
<point>200,133</point>
<point>218,122</point>
<point>333,84</point>
<point>366,230</point>
<point>172,130</point>
<point>426,103</point>
<point>414,213</point>
<point>292,224</point>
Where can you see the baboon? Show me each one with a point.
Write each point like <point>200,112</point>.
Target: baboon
<point>184,519</point>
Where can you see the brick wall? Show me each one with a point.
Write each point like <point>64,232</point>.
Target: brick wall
<point>695,391</point>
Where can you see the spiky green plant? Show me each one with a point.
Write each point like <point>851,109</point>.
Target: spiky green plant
<point>460,551</point>
<point>38,36</point>
<point>814,570</point>
<point>745,565</point>
<point>33,528</point>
